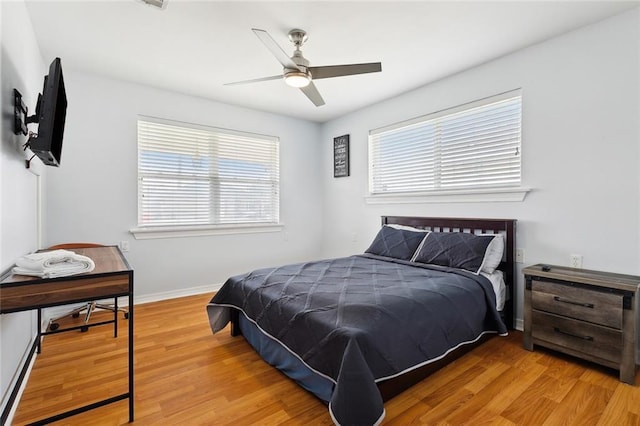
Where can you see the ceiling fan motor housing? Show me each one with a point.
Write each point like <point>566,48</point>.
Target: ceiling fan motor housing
<point>299,77</point>
<point>300,60</point>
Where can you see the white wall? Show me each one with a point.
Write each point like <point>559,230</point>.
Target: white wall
<point>580,145</point>
<point>21,67</point>
<point>93,195</point>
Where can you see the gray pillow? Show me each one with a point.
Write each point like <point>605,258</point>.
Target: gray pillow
<point>454,249</point>
<point>396,243</point>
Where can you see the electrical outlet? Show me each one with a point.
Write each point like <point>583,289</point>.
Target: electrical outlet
<point>519,255</point>
<point>575,261</point>
<point>124,246</point>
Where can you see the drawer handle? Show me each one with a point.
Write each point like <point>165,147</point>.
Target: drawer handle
<point>588,338</point>
<point>572,302</point>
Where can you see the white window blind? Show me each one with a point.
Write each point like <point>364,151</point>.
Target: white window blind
<point>197,175</point>
<point>473,146</point>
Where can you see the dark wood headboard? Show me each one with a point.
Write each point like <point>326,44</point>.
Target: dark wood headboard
<point>506,227</point>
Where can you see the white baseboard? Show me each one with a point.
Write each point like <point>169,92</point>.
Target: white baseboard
<point>519,325</point>
<point>166,295</point>
<point>23,385</point>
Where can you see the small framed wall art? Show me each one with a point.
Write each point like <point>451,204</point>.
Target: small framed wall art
<point>341,156</point>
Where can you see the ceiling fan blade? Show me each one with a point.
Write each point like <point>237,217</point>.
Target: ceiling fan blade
<point>344,70</point>
<point>275,49</point>
<point>255,80</point>
<point>312,93</point>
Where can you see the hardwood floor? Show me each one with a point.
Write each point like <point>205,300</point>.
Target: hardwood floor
<point>184,375</point>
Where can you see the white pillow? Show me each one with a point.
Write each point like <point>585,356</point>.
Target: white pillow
<point>407,227</point>
<point>493,254</point>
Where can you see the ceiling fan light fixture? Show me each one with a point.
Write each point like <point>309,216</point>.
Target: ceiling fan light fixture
<point>297,79</point>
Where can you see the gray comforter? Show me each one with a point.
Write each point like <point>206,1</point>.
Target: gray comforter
<point>361,319</point>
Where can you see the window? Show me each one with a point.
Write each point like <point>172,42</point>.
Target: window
<point>469,148</point>
<point>190,176</point>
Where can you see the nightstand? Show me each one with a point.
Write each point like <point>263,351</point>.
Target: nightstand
<point>588,314</point>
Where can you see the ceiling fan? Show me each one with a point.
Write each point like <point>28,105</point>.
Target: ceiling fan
<point>298,73</point>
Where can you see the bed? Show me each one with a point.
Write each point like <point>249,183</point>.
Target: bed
<point>358,330</point>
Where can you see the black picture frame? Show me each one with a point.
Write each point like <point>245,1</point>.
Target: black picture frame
<point>341,156</point>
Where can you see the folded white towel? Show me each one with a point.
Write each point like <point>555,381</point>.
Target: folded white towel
<point>41,260</point>
<point>52,264</point>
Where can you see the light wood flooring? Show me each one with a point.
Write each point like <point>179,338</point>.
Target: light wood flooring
<point>184,375</point>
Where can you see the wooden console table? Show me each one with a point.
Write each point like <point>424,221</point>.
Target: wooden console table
<point>111,278</point>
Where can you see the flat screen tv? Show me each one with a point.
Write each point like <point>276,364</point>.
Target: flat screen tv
<point>51,113</point>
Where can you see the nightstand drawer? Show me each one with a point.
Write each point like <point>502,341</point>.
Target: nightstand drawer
<point>591,339</point>
<point>576,302</point>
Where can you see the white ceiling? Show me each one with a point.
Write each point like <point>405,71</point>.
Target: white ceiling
<point>194,47</point>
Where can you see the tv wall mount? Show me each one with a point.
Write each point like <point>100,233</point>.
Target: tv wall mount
<point>20,121</point>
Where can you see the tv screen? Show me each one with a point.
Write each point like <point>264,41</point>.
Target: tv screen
<point>51,112</point>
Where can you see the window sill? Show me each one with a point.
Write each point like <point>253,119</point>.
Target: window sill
<point>203,230</point>
<point>516,194</point>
